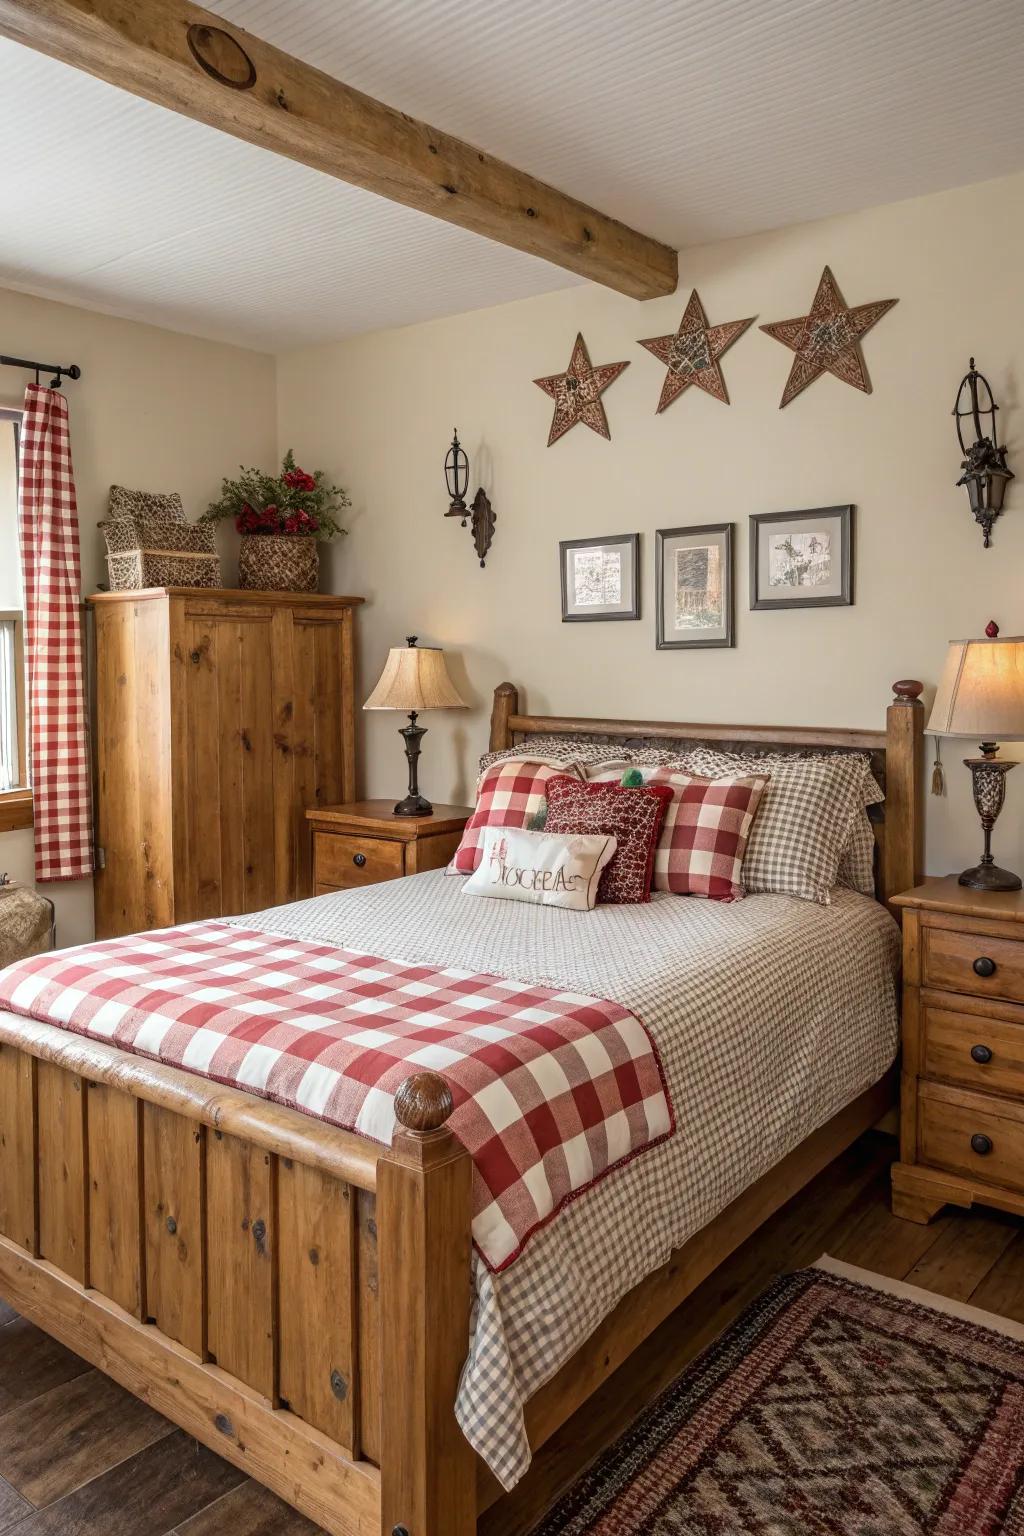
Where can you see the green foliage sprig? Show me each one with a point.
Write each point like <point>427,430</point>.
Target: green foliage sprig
<point>293,502</point>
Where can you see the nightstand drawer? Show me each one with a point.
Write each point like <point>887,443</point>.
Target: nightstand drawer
<point>970,1137</point>
<point>979,1049</point>
<point>960,960</point>
<point>349,861</point>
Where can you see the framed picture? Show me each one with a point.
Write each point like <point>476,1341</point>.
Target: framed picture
<point>802,559</point>
<point>693,577</point>
<point>600,578</point>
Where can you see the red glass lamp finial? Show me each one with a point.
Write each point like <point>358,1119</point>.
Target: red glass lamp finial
<point>992,629</point>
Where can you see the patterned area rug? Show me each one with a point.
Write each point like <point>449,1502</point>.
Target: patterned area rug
<point>829,1408</point>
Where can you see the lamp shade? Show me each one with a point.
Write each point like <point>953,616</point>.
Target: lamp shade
<point>415,678</point>
<point>981,691</point>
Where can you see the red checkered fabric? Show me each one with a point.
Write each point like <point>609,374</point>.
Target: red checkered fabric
<point>704,836</point>
<point>53,640</point>
<point>509,794</point>
<point>552,1090</point>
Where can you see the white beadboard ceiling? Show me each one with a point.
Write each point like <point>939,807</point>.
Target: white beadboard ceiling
<point>693,120</point>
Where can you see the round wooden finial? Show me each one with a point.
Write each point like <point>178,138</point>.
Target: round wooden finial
<point>505,689</point>
<point>908,690</point>
<point>423,1103</point>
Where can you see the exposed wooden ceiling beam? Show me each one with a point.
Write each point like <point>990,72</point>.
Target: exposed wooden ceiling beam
<point>195,63</point>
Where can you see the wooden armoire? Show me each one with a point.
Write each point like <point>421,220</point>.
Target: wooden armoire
<point>221,717</point>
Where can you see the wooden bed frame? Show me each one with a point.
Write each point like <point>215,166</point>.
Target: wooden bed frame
<point>295,1296</point>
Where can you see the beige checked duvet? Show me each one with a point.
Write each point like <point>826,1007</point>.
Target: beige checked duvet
<point>770,1014</point>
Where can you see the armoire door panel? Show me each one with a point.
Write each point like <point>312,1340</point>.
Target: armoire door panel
<point>230,799</point>
<point>317,736</point>
<point>255,747</point>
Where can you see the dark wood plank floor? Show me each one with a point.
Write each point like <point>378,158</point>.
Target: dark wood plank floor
<point>81,1457</point>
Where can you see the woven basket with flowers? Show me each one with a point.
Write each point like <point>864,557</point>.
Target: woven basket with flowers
<point>282,519</point>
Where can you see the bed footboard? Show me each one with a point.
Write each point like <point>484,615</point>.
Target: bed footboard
<point>294,1296</point>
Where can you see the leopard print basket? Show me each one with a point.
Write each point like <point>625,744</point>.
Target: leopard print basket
<point>279,562</point>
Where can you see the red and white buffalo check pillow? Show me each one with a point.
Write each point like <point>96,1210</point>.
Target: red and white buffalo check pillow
<point>508,794</point>
<point>704,835</point>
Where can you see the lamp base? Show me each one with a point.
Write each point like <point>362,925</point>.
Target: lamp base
<point>989,877</point>
<point>414,805</point>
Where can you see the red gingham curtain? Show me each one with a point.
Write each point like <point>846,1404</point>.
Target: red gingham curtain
<point>53,640</point>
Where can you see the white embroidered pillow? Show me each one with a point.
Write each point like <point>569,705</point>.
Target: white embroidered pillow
<point>547,868</point>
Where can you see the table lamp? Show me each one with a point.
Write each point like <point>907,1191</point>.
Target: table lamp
<point>415,678</point>
<point>981,694</point>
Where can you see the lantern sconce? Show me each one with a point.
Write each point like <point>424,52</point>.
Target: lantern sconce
<point>479,513</point>
<point>984,466</point>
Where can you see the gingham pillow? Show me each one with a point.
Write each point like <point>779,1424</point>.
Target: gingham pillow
<point>632,816</point>
<point>704,835</point>
<point>857,865</point>
<point>856,868</point>
<point>509,794</point>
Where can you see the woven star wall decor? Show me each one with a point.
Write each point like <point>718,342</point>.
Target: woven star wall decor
<point>828,339</point>
<point>577,392</point>
<point>691,354</point>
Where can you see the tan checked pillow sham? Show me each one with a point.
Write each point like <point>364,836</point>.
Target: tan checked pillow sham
<point>803,827</point>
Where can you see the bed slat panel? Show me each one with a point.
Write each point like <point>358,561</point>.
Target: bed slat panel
<point>116,1265</point>
<point>241,1240</point>
<point>63,1185</point>
<point>19,1211</point>
<point>368,1309</point>
<point>174,1155</point>
<point>316,1269</point>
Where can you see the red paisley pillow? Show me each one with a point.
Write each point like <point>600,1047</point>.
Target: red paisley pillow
<point>632,816</point>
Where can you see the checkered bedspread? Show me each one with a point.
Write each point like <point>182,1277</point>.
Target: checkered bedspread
<point>552,1089</point>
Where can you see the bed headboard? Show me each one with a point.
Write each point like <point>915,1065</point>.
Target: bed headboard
<point>897,756</point>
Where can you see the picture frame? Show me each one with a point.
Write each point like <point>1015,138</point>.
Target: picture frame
<point>600,578</point>
<point>802,559</point>
<point>694,587</point>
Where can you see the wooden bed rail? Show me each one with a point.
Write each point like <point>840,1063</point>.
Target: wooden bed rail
<point>294,1296</point>
<point>286,1132</point>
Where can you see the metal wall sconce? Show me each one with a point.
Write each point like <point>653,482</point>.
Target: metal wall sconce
<point>984,467</point>
<point>480,513</point>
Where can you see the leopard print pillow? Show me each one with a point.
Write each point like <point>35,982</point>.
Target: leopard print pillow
<point>126,503</point>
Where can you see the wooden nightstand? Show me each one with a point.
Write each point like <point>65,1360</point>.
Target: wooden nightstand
<point>962,1090</point>
<point>361,843</point>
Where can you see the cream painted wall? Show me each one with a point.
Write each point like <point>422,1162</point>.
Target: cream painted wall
<point>378,413</point>
<point>154,410</point>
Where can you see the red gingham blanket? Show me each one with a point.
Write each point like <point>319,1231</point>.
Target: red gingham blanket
<point>552,1090</point>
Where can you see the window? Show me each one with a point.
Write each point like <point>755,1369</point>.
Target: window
<point>12,722</point>
<point>13,775</point>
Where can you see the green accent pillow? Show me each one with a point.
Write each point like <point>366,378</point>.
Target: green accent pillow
<point>632,779</point>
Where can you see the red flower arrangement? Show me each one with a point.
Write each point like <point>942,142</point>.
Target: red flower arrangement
<point>294,502</point>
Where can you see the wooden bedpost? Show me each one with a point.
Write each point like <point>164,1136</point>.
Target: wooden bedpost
<point>904,789</point>
<point>506,704</point>
<point>424,1216</point>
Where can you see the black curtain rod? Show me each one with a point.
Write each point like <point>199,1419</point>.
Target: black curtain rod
<point>74,372</point>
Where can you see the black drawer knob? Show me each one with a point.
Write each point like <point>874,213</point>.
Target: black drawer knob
<point>359,859</point>
<point>981,1054</point>
<point>983,966</point>
<point>981,1144</point>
